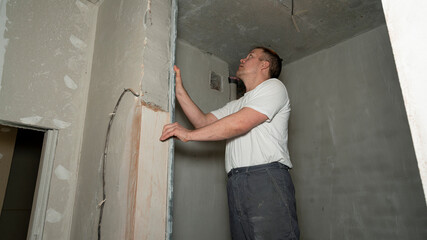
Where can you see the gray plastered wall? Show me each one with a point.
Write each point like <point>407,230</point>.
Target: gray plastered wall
<point>200,198</point>
<point>355,170</point>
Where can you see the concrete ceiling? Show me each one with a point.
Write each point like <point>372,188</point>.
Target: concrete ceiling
<point>230,28</point>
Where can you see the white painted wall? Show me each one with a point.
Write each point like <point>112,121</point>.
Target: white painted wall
<point>46,50</point>
<point>408,34</point>
<point>355,170</point>
<point>200,198</point>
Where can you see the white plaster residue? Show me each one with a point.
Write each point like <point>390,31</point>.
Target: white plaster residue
<point>61,124</point>
<point>120,9</point>
<point>196,10</point>
<point>70,83</point>
<point>31,120</point>
<point>1,156</point>
<point>58,52</point>
<point>331,129</point>
<point>331,121</point>
<point>5,129</point>
<point>53,216</point>
<point>243,29</point>
<point>62,173</point>
<point>77,42</point>
<point>3,40</point>
<point>82,7</point>
<point>147,17</point>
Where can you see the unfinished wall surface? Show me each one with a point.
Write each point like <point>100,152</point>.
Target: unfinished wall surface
<point>46,50</point>
<point>131,51</point>
<point>355,170</point>
<point>200,198</point>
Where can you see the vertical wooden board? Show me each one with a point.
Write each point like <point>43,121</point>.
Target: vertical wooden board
<point>151,197</point>
<point>134,145</point>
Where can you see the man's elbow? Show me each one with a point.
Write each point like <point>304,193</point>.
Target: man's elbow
<point>206,120</point>
<point>238,130</point>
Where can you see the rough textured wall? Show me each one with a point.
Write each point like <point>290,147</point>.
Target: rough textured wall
<point>45,58</point>
<point>355,170</point>
<point>131,51</point>
<point>200,198</point>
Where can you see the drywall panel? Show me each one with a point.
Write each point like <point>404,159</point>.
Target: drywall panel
<point>128,40</point>
<point>355,169</point>
<point>200,198</point>
<point>408,37</point>
<point>45,60</point>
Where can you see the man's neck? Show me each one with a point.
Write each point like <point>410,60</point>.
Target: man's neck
<point>252,83</point>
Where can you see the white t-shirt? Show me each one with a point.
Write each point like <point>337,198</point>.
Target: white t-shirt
<point>267,142</point>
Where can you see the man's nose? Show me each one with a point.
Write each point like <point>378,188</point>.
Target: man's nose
<point>242,60</point>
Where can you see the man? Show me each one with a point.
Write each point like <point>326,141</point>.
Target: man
<point>260,191</point>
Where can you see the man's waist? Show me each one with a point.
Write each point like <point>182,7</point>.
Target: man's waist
<point>247,169</point>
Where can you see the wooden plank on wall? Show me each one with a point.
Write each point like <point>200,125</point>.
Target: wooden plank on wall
<point>151,194</point>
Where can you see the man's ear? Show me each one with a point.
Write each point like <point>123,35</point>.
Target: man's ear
<point>265,64</point>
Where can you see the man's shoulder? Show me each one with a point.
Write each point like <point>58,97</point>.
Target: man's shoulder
<point>272,84</point>
<point>274,81</point>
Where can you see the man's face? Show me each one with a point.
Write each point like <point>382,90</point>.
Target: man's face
<point>251,64</point>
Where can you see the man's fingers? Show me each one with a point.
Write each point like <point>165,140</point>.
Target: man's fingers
<point>177,72</point>
<point>174,130</point>
<point>167,130</point>
<point>176,69</point>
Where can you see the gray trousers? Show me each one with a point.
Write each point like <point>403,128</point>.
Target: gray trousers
<point>261,202</point>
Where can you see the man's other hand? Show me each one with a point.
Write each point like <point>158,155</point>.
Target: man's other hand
<point>175,130</point>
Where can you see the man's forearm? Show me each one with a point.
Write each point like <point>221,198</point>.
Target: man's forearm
<point>231,126</point>
<point>196,116</point>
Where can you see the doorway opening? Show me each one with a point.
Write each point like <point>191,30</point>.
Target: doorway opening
<point>19,169</point>
<point>26,159</point>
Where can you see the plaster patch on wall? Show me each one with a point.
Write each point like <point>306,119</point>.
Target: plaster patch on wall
<point>77,42</point>
<point>53,216</point>
<point>243,29</point>
<point>3,41</point>
<point>147,17</point>
<point>61,124</point>
<point>82,7</point>
<point>31,120</point>
<point>142,65</point>
<point>70,83</point>
<point>58,52</point>
<point>195,10</point>
<point>331,123</point>
<point>62,173</point>
<point>120,9</point>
